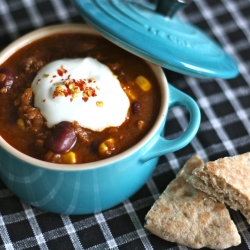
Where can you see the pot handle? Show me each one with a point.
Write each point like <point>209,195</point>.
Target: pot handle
<point>163,146</point>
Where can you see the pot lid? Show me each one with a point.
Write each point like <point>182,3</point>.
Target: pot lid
<point>153,32</point>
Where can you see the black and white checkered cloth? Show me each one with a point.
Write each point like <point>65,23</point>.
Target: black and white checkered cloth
<point>224,131</point>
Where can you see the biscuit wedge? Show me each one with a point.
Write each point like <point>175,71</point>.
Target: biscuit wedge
<point>228,180</point>
<point>187,216</point>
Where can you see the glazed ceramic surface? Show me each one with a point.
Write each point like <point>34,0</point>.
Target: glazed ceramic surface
<point>92,187</point>
<point>169,42</point>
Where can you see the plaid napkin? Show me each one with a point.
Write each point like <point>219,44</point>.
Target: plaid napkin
<point>224,131</point>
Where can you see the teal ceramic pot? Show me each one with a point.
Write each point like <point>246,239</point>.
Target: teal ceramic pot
<point>92,187</point>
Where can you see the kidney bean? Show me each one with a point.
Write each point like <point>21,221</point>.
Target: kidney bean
<point>136,108</point>
<point>7,78</point>
<point>63,138</point>
<point>93,147</point>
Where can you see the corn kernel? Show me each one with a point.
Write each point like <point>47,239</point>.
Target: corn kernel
<point>140,124</point>
<point>69,158</point>
<point>106,148</point>
<point>129,92</point>
<point>20,123</point>
<point>143,83</point>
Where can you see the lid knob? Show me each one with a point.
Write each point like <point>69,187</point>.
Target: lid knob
<point>168,8</point>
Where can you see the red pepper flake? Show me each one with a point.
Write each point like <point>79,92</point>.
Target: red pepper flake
<point>99,104</point>
<point>61,71</point>
<point>54,76</point>
<point>90,80</point>
<point>44,100</point>
<point>38,81</point>
<point>73,88</point>
<point>121,137</point>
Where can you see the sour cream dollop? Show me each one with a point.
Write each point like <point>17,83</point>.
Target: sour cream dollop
<point>82,90</point>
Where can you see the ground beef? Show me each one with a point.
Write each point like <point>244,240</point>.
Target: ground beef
<point>52,157</point>
<point>31,115</point>
<point>82,134</point>
<point>31,64</point>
